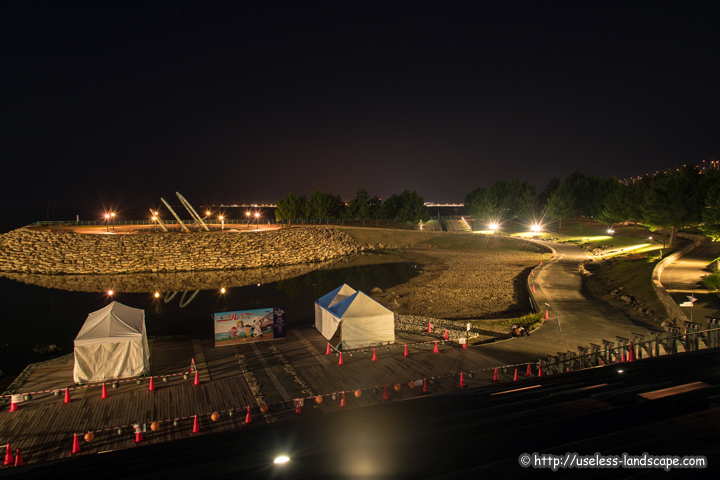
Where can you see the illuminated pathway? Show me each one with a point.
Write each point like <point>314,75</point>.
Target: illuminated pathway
<point>577,318</point>
<point>684,277</point>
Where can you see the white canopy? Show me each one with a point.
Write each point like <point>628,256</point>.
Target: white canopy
<point>112,344</point>
<point>363,322</point>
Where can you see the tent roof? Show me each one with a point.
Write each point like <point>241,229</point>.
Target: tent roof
<point>337,295</point>
<point>114,321</point>
<point>356,305</point>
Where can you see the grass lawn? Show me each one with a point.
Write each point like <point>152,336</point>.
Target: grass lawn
<point>635,277</point>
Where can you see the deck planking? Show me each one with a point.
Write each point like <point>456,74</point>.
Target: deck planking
<point>43,428</point>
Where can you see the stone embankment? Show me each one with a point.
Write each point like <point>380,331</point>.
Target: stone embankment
<point>34,252</point>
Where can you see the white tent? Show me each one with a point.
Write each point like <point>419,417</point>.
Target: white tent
<point>112,344</point>
<point>362,321</point>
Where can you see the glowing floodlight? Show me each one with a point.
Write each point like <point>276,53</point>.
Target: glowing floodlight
<point>494,226</point>
<point>110,292</point>
<point>222,290</point>
<point>281,460</point>
<point>157,294</point>
<point>610,231</point>
<point>535,228</point>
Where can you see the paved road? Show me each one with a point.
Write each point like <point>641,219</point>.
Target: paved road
<point>684,277</point>
<point>577,318</point>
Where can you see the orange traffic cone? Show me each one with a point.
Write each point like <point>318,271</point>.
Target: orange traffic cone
<point>429,327</point>
<point>553,255</point>
<point>540,374</point>
<point>67,395</point>
<point>533,288</point>
<point>406,352</point>
<point>248,417</point>
<point>462,381</point>
<point>540,262</point>
<point>631,353</point>
<point>327,350</point>
<point>298,410</point>
<point>445,335</point>
<point>495,376</point>
<point>374,357</point>
<point>340,362</point>
<point>529,371</point>
<point>8,456</point>
<point>342,399</point>
<point>138,436</point>
<point>547,314</point>
<point>532,272</point>
<point>104,393</point>
<point>76,444</point>
<point>13,406</point>
<point>385,396</point>
<point>464,345</point>
<point>425,387</point>
<point>516,376</point>
<point>151,388</point>
<point>435,350</point>
<point>196,425</point>
<point>18,458</point>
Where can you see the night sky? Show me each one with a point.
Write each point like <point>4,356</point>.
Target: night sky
<point>116,104</point>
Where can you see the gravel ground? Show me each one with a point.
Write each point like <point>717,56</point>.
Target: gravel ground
<point>464,284</point>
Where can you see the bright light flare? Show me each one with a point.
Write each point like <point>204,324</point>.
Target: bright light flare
<point>157,294</point>
<point>535,228</point>
<point>110,292</point>
<point>281,460</point>
<point>222,290</point>
<point>494,226</point>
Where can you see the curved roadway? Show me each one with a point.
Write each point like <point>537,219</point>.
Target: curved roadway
<point>576,317</point>
<point>683,278</point>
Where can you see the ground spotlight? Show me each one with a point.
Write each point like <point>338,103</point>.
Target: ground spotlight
<point>157,294</point>
<point>494,226</point>
<point>222,290</point>
<point>535,228</point>
<point>110,292</point>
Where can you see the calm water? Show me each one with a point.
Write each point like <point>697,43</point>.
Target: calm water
<point>34,315</point>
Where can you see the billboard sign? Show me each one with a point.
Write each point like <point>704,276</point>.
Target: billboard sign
<point>244,326</point>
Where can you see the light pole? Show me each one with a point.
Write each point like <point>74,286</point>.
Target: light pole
<point>222,222</point>
<point>154,218</point>
<point>112,215</point>
<point>247,214</point>
<point>257,221</point>
<point>107,222</point>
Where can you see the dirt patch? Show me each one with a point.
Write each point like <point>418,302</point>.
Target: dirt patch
<point>464,284</point>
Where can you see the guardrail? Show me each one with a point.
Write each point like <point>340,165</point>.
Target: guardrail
<point>660,343</point>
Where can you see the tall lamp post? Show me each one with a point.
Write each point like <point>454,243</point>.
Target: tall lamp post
<point>222,222</point>
<point>112,215</point>
<point>154,218</point>
<point>247,214</point>
<point>257,221</point>
<point>107,222</point>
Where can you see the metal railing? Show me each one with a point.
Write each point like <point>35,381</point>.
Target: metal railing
<point>670,342</point>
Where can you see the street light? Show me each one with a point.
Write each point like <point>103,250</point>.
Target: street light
<point>154,219</point>
<point>257,221</point>
<point>112,215</point>
<point>222,222</point>
<point>247,214</point>
<point>107,222</point>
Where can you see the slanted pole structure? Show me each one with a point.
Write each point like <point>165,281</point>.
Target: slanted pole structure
<point>192,211</point>
<point>182,225</point>
<point>159,220</point>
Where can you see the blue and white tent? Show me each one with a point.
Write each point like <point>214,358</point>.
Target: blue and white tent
<point>361,320</point>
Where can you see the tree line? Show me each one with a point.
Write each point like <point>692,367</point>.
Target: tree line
<point>669,200</point>
<point>406,207</point>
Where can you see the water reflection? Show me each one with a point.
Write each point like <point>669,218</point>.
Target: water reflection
<point>53,308</point>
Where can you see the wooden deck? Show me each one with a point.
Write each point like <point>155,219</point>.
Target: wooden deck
<point>231,379</point>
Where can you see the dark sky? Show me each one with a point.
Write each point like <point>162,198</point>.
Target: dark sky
<point>120,103</point>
